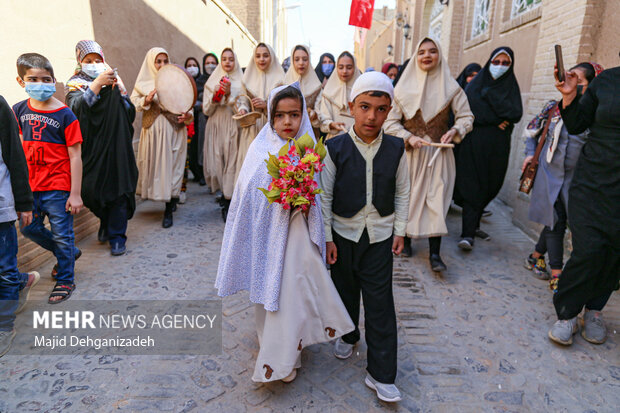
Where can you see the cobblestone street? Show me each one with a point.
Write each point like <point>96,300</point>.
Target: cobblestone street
<point>474,340</point>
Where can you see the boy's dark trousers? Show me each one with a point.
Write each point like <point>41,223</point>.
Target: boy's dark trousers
<point>368,267</point>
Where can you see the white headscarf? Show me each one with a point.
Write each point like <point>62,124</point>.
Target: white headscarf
<point>252,255</point>
<point>235,76</point>
<point>429,91</point>
<point>145,82</point>
<point>337,91</point>
<point>309,82</point>
<point>260,83</point>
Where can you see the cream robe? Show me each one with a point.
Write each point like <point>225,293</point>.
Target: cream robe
<point>247,135</point>
<point>431,188</point>
<point>161,156</point>
<point>221,144</point>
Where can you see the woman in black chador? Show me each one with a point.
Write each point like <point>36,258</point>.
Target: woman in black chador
<point>495,99</point>
<point>593,270</point>
<point>99,99</point>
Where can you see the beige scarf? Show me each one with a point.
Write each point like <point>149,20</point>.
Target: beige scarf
<point>260,83</point>
<point>235,76</point>
<point>430,92</point>
<point>309,82</point>
<point>337,91</point>
<point>145,82</point>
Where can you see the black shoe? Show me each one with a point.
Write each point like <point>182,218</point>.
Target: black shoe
<point>219,199</point>
<point>118,249</point>
<point>483,235</point>
<point>202,182</point>
<point>225,205</point>
<point>174,202</point>
<point>466,244</point>
<point>407,251</point>
<point>167,222</point>
<point>102,235</point>
<point>486,213</point>
<point>437,264</point>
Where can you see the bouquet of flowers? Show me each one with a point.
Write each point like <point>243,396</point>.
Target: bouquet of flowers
<point>292,172</point>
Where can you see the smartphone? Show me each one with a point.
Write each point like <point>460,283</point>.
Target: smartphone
<point>559,61</point>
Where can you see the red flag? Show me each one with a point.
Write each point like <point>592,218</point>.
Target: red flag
<point>361,13</point>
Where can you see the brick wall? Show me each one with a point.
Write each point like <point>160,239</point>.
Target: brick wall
<point>248,12</point>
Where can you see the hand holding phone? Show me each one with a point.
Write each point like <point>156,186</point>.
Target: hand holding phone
<point>559,63</point>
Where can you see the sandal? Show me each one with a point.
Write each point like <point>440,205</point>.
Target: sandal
<point>61,290</point>
<point>55,269</point>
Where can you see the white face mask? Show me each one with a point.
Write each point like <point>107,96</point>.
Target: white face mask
<point>93,69</point>
<point>193,70</point>
<point>209,68</point>
<point>497,70</point>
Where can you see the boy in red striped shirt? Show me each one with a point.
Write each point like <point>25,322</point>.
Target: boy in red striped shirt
<point>52,141</point>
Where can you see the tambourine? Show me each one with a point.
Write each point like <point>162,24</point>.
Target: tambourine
<point>176,89</point>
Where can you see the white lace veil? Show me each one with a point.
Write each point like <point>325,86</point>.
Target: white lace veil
<point>254,242</point>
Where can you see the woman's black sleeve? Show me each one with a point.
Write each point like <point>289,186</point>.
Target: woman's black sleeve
<point>579,115</point>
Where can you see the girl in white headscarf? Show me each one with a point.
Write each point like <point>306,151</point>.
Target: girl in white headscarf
<point>311,87</point>
<point>424,97</point>
<point>262,74</point>
<point>222,131</point>
<point>278,255</point>
<point>334,105</point>
<point>163,140</point>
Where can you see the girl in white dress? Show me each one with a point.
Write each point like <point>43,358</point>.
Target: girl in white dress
<point>278,255</point>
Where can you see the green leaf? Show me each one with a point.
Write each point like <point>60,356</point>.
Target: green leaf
<point>304,142</point>
<point>283,150</point>
<point>320,149</point>
<point>273,166</point>
<point>271,195</point>
<point>317,191</point>
<point>300,201</point>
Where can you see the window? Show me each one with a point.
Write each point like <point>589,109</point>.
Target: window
<point>521,6</point>
<point>480,22</point>
<point>434,28</point>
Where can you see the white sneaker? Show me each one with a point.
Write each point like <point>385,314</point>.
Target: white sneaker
<point>385,392</point>
<point>24,293</point>
<point>182,197</point>
<point>342,350</point>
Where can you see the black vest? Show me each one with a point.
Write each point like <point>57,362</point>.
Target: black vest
<point>349,194</point>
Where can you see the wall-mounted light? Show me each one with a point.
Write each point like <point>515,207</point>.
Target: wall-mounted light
<point>444,2</point>
<point>407,31</point>
<point>390,50</point>
<point>400,20</point>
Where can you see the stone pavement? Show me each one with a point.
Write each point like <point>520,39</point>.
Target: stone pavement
<point>472,340</point>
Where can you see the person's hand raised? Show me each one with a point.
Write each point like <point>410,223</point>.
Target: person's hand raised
<point>149,99</point>
<point>569,85</point>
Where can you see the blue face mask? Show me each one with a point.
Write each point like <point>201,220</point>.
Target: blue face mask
<point>497,70</point>
<point>327,68</point>
<point>40,91</point>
